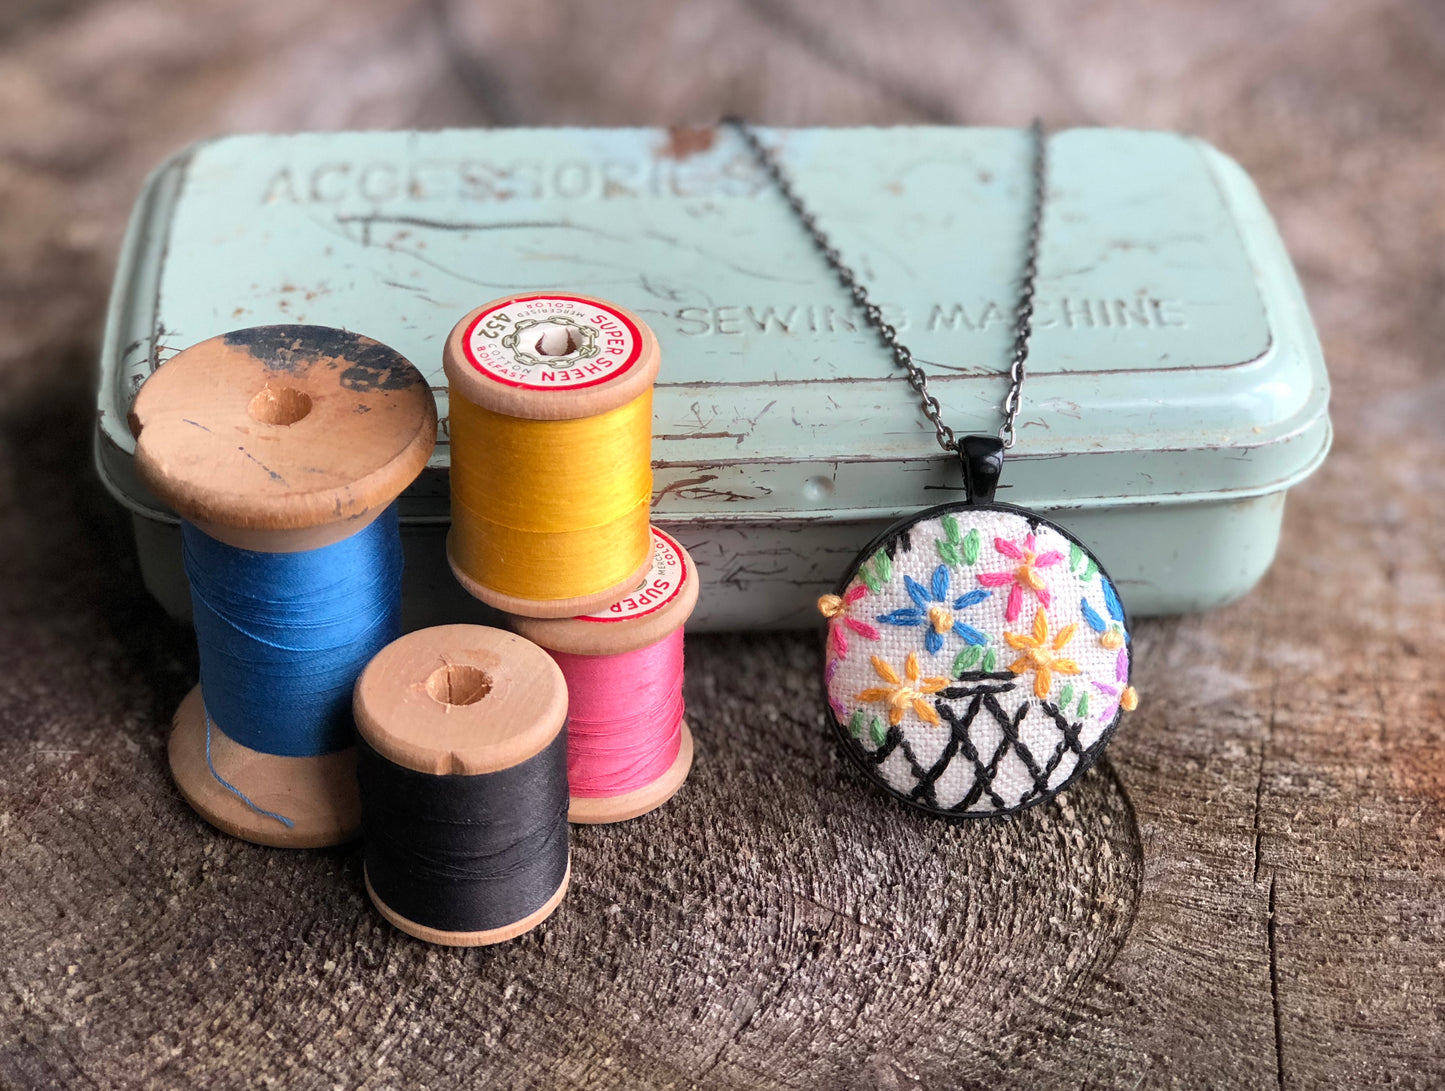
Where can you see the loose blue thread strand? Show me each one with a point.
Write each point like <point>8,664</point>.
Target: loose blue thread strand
<point>283,636</point>
<point>226,784</point>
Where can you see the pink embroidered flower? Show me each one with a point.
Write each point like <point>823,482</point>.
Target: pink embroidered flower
<point>835,609</point>
<point>1024,577</point>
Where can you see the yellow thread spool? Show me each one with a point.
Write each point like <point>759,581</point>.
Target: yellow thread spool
<point>551,441</point>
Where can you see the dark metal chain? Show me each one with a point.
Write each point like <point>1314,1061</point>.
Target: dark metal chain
<point>902,355</point>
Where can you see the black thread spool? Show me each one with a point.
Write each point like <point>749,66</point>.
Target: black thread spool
<point>462,763</point>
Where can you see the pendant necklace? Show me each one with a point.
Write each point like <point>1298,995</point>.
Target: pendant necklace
<point>978,656</point>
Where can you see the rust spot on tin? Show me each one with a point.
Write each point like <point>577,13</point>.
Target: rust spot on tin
<point>683,142</point>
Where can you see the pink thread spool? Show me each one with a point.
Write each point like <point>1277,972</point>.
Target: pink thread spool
<point>628,747</point>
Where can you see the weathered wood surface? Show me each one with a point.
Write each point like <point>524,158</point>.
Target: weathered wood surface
<point>1250,893</point>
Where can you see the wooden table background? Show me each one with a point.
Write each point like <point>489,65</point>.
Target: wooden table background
<point>1249,893</point>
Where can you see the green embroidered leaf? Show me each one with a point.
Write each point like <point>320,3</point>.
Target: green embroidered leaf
<point>966,659</point>
<point>877,732</point>
<point>990,661</point>
<point>950,527</point>
<point>1066,695</point>
<point>1075,555</point>
<point>949,552</point>
<point>883,564</point>
<point>1083,706</point>
<point>855,725</point>
<point>970,546</point>
<point>1089,572</point>
<point>869,579</point>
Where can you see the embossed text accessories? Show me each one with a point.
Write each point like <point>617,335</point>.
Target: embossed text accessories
<point>977,654</point>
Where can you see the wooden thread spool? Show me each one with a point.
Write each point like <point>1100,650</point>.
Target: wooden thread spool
<point>278,440</point>
<point>551,434</point>
<point>654,612</point>
<point>463,713</point>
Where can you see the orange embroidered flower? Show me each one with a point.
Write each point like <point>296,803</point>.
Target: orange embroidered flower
<point>901,694</point>
<point>1041,655</point>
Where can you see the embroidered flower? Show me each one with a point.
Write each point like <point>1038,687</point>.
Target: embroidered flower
<point>932,608</point>
<point>1025,576</point>
<point>1041,655</point>
<point>901,694</point>
<point>1128,699</point>
<point>1111,634</point>
<point>835,609</point>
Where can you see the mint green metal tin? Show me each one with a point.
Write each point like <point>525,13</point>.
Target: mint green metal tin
<point>1176,387</point>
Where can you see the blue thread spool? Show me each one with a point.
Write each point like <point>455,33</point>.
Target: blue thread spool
<point>283,449</point>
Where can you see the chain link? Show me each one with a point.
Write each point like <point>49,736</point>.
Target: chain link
<point>902,356</point>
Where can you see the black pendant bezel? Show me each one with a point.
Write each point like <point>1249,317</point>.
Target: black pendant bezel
<point>863,759</point>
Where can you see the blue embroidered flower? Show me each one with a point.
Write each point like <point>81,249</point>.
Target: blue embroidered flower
<point>932,609</point>
<point>1111,634</point>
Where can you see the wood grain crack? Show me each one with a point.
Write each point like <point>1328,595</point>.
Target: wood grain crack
<point>1274,990</point>
<point>1264,746</point>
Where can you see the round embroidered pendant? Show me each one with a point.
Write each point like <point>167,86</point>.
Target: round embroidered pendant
<point>977,660</point>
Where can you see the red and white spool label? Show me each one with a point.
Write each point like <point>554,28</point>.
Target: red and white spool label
<point>552,342</point>
<point>661,585</point>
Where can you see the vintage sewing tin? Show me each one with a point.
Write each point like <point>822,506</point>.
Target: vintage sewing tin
<point>1176,392</point>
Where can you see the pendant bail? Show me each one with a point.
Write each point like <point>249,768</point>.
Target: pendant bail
<point>982,458</point>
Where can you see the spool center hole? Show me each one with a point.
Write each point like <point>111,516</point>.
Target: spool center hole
<point>279,405</point>
<point>458,684</point>
<point>558,341</point>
